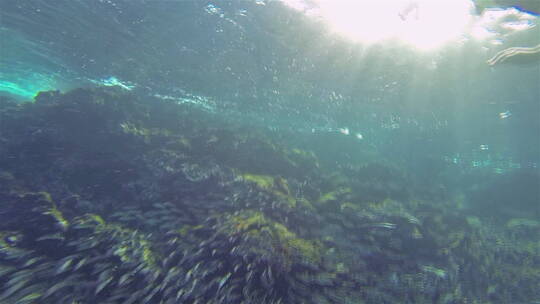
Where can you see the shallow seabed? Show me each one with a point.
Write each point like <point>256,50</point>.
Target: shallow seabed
<point>246,152</point>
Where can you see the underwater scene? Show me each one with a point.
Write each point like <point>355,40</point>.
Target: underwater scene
<point>270,151</point>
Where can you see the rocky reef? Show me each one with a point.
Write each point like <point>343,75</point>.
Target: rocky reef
<point>111,197</point>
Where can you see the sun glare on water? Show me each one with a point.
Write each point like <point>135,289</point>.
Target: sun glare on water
<point>424,24</point>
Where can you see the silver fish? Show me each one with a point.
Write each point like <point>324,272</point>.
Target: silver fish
<point>223,281</point>
<point>13,289</point>
<point>55,236</point>
<point>103,284</point>
<point>382,225</point>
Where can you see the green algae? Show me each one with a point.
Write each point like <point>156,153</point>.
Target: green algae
<point>58,217</point>
<point>187,229</point>
<point>130,246</point>
<point>281,238</point>
<point>265,182</point>
<point>277,186</point>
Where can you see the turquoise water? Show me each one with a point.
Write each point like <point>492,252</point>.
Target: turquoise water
<point>382,134</point>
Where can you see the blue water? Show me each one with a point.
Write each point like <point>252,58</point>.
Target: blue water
<point>444,115</point>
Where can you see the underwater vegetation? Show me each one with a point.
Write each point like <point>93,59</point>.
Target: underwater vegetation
<point>111,197</point>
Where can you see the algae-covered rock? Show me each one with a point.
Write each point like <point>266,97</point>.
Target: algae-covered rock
<point>279,237</point>
<point>113,197</point>
<point>256,255</point>
<point>36,210</point>
<point>277,186</point>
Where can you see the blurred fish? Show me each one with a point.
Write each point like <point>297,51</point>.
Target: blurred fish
<point>266,279</point>
<point>4,270</point>
<point>180,294</point>
<point>382,225</point>
<point>13,289</point>
<point>30,298</point>
<point>56,288</point>
<point>173,272</point>
<point>15,253</point>
<point>22,275</point>
<point>55,236</point>
<point>152,293</point>
<point>65,265</point>
<point>80,264</point>
<point>441,273</point>
<point>223,281</point>
<point>32,261</point>
<point>136,296</point>
<point>103,280</point>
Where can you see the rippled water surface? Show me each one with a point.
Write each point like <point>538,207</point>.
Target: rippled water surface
<point>269,151</point>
